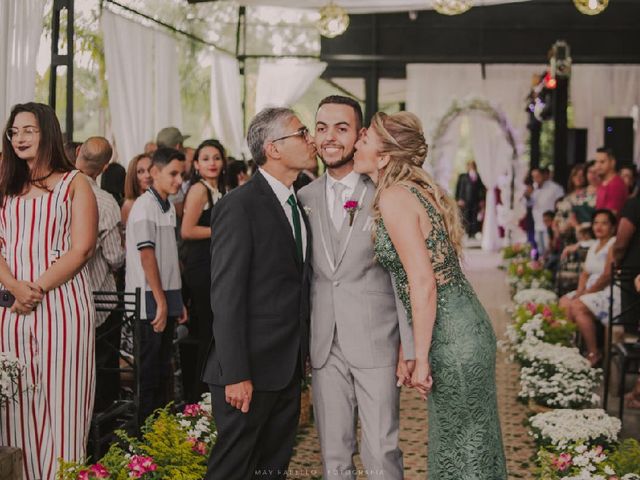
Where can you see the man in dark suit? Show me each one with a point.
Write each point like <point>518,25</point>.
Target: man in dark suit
<point>259,296</point>
<point>470,193</point>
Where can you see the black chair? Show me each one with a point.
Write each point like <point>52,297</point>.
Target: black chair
<point>626,351</point>
<point>123,413</point>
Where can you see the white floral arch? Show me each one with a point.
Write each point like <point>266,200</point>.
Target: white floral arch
<point>511,211</point>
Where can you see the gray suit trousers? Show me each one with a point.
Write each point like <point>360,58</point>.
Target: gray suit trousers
<point>341,394</point>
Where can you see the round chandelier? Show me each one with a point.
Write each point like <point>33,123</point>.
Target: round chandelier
<point>591,7</point>
<point>333,21</point>
<point>452,7</point>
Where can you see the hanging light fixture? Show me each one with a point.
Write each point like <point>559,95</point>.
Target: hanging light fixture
<point>452,7</point>
<point>591,7</point>
<point>333,21</point>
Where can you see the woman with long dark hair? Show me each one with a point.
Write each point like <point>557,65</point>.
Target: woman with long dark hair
<point>207,187</point>
<point>48,228</point>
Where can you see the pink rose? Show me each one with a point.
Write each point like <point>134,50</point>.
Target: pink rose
<point>350,204</point>
<point>532,307</point>
<point>517,247</point>
<point>563,462</point>
<point>535,265</point>
<point>99,471</point>
<point>83,475</point>
<point>520,270</point>
<point>547,312</point>
<point>140,465</point>
<point>192,410</point>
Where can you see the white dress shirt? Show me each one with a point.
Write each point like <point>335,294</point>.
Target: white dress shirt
<point>544,199</point>
<point>283,193</point>
<point>350,182</point>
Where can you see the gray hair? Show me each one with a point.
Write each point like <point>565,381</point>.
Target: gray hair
<point>96,153</point>
<point>265,126</point>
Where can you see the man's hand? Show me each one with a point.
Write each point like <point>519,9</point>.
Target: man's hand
<point>160,322</point>
<point>184,316</point>
<point>421,379</point>
<point>404,370</point>
<point>239,395</point>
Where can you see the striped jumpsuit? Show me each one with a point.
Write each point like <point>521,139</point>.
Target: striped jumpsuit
<point>51,415</point>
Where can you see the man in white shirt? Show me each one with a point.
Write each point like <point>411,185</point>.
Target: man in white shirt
<point>93,158</point>
<point>543,199</point>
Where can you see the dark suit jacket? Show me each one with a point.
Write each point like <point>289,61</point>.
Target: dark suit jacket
<point>259,291</point>
<point>469,191</point>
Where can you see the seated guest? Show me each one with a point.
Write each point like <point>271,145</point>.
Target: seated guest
<point>93,157</point>
<point>565,218</point>
<point>137,181</point>
<point>152,265</point>
<point>612,193</point>
<point>626,252</point>
<point>629,175</point>
<point>237,174</point>
<point>553,240</point>
<point>590,302</point>
<point>570,264</point>
<point>632,399</point>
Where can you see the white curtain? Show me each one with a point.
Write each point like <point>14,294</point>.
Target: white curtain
<point>20,30</point>
<point>144,87</point>
<point>226,102</point>
<point>168,107</point>
<point>282,82</point>
<point>599,91</point>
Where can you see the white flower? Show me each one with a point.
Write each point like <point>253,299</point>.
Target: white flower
<point>564,426</point>
<point>609,471</point>
<point>535,295</point>
<point>307,210</point>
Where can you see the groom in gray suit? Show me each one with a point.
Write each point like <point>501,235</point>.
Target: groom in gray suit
<point>356,319</point>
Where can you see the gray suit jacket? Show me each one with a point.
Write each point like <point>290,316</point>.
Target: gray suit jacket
<point>350,291</point>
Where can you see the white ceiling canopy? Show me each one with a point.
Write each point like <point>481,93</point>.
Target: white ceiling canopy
<point>366,6</point>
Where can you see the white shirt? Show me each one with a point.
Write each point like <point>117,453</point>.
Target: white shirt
<point>350,182</point>
<point>283,193</point>
<point>109,254</point>
<point>544,199</point>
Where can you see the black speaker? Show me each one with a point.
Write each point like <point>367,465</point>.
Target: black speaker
<point>618,135</point>
<point>576,146</point>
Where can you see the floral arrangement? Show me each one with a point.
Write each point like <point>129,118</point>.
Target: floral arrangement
<point>556,376</point>
<point>11,369</point>
<point>539,321</point>
<point>582,445</point>
<point>560,428</point>
<point>517,250</point>
<point>535,295</point>
<point>172,446</point>
<point>525,274</point>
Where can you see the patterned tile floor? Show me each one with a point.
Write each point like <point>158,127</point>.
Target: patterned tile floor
<point>490,285</point>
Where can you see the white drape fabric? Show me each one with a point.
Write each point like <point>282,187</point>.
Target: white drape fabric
<point>226,102</point>
<point>144,87</point>
<point>20,30</point>
<point>431,91</point>
<point>168,107</point>
<point>282,82</point>
<point>599,91</point>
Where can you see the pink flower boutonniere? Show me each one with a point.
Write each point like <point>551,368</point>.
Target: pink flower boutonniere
<point>351,206</point>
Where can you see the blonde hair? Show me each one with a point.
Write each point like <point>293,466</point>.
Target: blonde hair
<point>402,139</point>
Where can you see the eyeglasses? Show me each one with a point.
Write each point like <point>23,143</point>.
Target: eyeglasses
<point>301,132</point>
<point>28,133</point>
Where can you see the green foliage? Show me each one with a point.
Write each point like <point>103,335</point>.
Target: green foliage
<point>626,458</point>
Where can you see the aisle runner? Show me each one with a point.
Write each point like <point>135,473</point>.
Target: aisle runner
<point>492,289</point>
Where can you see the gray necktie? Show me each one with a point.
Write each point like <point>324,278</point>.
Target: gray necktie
<point>337,215</point>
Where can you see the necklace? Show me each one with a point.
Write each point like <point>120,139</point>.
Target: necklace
<point>41,179</point>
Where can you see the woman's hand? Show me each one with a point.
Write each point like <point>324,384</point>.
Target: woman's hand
<point>28,294</point>
<point>421,379</point>
<point>22,309</point>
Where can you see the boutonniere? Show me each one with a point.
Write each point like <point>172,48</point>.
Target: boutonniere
<point>351,206</point>
<point>307,210</point>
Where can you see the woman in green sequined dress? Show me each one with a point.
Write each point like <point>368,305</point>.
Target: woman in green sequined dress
<point>418,238</point>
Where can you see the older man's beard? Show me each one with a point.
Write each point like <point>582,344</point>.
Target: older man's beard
<point>343,161</point>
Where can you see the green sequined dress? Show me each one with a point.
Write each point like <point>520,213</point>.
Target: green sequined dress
<point>465,442</point>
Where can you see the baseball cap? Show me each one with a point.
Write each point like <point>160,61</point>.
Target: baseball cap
<point>170,137</point>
